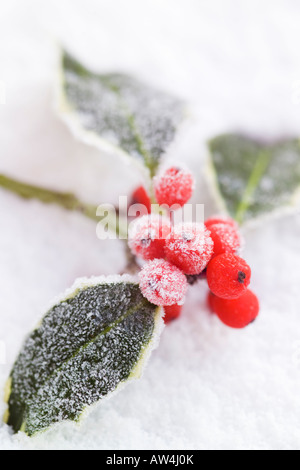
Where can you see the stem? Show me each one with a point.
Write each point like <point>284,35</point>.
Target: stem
<point>66,200</point>
<point>132,266</point>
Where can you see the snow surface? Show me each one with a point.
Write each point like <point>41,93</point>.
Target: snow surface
<point>237,64</point>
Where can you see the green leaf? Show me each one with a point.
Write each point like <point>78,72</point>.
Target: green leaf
<point>115,111</point>
<point>254,178</point>
<point>94,339</point>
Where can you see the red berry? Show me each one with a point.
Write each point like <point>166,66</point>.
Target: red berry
<point>174,186</point>
<point>147,236</point>
<point>220,220</point>
<point>210,301</point>
<point>228,276</point>
<point>226,238</point>
<point>189,247</point>
<point>162,283</point>
<point>140,196</point>
<point>172,312</point>
<point>237,313</point>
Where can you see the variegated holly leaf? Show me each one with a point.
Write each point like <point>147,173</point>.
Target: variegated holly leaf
<point>94,339</point>
<point>116,111</point>
<point>254,178</point>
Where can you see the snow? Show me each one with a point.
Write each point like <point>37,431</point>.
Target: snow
<point>236,63</point>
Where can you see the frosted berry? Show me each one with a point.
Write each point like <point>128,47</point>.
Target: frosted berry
<point>140,196</point>
<point>162,283</point>
<point>172,312</point>
<point>189,247</point>
<point>220,220</point>
<point>237,313</point>
<point>226,238</point>
<point>228,276</point>
<point>174,186</point>
<point>147,236</point>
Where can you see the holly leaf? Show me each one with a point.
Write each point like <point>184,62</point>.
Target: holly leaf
<point>93,341</point>
<point>253,178</point>
<point>117,112</point>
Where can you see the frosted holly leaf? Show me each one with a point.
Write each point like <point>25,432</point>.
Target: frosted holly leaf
<point>253,178</point>
<point>115,111</point>
<point>94,339</point>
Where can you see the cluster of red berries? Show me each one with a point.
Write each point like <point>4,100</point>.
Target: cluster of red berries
<point>179,255</point>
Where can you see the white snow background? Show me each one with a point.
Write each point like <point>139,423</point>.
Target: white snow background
<point>237,64</point>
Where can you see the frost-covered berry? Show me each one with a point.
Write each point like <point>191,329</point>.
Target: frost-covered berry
<point>189,247</point>
<point>172,312</point>
<point>228,276</point>
<point>140,196</point>
<point>162,283</point>
<point>237,313</point>
<point>174,186</point>
<point>226,238</point>
<point>220,220</point>
<point>147,236</point>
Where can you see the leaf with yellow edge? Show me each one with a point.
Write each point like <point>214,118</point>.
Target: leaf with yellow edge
<point>254,178</point>
<point>95,339</point>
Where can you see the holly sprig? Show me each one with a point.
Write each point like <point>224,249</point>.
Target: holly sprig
<point>99,334</point>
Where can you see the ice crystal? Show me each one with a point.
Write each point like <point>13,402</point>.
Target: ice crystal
<point>87,344</point>
<point>162,283</point>
<point>140,120</point>
<point>255,178</point>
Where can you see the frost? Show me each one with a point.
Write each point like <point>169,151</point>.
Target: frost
<point>174,186</point>
<point>162,283</point>
<point>226,238</point>
<point>147,234</point>
<point>88,343</point>
<point>189,247</point>
<point>121,110</point>
<point>255,178</point>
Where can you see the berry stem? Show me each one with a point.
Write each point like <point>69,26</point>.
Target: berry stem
<point>241,277</point>
<point>132,266</point>
<point>194,278</point>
